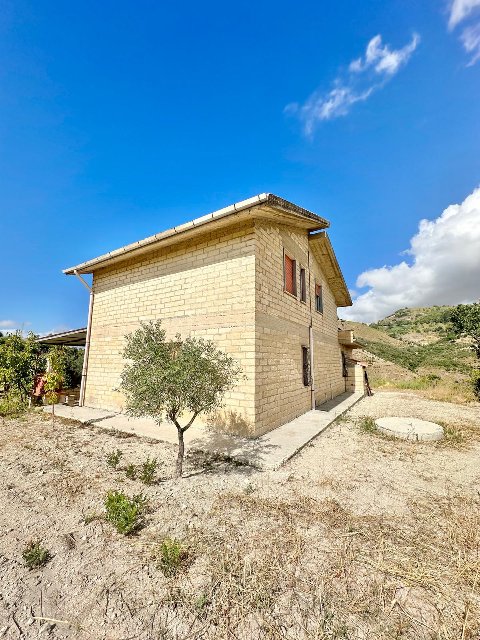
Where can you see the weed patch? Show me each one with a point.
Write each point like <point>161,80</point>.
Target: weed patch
<point>131,471</point>
<point>35,555</point>
<point>126,514</point>
<point>172,556</point>
<point>148,471</point>
<point>113,458</point>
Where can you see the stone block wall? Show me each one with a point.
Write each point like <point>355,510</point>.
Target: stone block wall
<point>228,286</point>
<point>197,288</point>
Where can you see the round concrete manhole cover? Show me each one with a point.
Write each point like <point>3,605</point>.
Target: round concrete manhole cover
<point>409,428</point>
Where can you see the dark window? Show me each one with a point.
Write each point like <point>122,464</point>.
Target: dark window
<point>303,286</point>
<point>344,365</point>
<point>307,380</point>
<point>290,275</point>
<point>318,298</point>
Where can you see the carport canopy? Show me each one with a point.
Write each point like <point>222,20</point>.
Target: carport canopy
<point>73,338</point>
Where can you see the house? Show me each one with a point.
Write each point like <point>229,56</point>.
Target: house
<point>259,278</point>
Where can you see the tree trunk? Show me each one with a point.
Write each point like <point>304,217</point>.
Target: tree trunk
<point>181,453</point>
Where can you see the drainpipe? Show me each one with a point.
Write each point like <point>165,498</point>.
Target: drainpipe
<point>81,400</point>
<point>312,373</point>
<point>310,336</point>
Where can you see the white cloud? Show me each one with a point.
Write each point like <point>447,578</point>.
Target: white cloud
<point>445,267</point>
<point>461,10</point>
<point>471,42</point>
<point>365,75</point>
<point>382,58</point>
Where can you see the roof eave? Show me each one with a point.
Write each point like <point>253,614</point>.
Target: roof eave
<point>323,251</point>
<point>265,199</point>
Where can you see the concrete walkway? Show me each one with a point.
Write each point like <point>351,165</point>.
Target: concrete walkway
<point>267,452</point>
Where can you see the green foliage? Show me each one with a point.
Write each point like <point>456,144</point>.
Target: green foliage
<point>170,378</point>
<point>73,366</point>
<point>443,354</point>
<point>421,320</point>
<point>172,556</point>
<point>149,468</point>
<point>20,360</point>
<point>113,458</point>
<point>34,555</point>
<point>126,514</point>
<point>466,322</point>
<point>11,405</point>
<point>131,471</point>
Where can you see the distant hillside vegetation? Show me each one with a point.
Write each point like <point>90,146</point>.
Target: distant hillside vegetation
<point>421,346</point>
<point>416,338</point>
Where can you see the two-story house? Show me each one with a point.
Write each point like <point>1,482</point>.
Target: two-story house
<point>259,278</point>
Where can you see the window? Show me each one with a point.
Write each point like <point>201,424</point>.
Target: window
<point>307,379</point>
<point>303,286</point>
<point>318,298</point>
<point>344,365</point>
<point>290,275</point>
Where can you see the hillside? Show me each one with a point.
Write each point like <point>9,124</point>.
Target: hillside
<point>414,348</point>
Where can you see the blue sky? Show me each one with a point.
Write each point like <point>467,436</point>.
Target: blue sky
<point>120,119</point>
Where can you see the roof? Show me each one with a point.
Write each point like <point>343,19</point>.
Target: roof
<point>323,251</point>
<point>73,338</point>
<point>267,204</point>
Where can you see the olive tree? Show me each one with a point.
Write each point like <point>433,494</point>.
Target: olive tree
<point>174,379</point>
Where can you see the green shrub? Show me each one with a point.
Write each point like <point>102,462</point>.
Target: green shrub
<point>171,557</point>
<point>149,468</point>
<point>126,514</point>
<point>113,458</point>
<point>131,471</point>
<point>11,405</point>
<point>34,555</point>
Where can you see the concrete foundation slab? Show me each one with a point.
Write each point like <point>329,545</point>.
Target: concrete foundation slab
<point>269,451</point>
<point>85,415</point>
<point>409,428</point>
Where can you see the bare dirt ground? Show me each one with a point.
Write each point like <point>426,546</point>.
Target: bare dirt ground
<point>358,537</point>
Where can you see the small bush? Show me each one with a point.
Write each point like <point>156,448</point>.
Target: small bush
<point>149,468</point>
<point>131,471</point>
<point>34,555</point>
<point>172,556</point>
<point>367,424</point>
<point>11,405</point>
<point>113,458</point>
<point>126,514</point>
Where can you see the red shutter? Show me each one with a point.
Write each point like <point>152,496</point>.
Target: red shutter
<point>289,275</point>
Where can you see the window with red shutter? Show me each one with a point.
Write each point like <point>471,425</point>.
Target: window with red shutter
<point>290,268</point>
